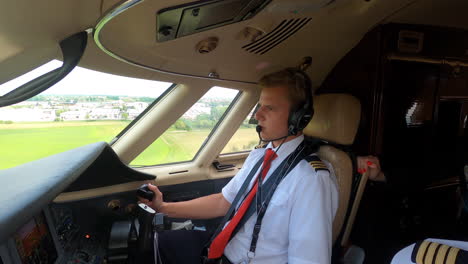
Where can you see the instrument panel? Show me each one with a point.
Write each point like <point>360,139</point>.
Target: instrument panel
<point>34,243</point>
<point>54,237</point>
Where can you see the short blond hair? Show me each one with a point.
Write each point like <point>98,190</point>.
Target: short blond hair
<point>287,77</point>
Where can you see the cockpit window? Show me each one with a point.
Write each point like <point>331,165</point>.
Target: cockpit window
<point>244,139</point>
<point>85,107</point>
<point>182,141</point>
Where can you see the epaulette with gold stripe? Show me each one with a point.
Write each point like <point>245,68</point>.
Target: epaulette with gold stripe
<point>426,252</point>
<point>261,146</point>
<point>316,163</point>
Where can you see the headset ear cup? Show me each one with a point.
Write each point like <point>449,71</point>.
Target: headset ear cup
<point>301,117</point>
<point>297,121</point>
<point>303,120</point>
<point>292,124</point>
<point>292,131</point>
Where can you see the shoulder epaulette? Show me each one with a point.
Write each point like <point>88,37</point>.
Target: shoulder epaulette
<point>316,163</point>
<point>261,146</point>
<point>433,252</point>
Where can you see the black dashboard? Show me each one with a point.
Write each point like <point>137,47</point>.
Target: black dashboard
<point>34,229</point>
<point>73,232</point>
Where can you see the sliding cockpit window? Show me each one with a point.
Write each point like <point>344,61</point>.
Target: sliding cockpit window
<point>85,107</point>
<point>245,138</point>
<point>186,137</point>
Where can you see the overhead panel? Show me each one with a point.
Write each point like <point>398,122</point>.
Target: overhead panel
<point>183,20</point>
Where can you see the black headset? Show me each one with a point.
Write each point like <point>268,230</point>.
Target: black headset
<point>301,116</point>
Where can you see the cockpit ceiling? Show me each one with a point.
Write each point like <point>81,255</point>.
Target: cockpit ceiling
<point>330,32</point>
<point>444,13</point>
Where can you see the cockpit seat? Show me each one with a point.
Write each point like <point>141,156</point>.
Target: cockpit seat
<point>336,121</point>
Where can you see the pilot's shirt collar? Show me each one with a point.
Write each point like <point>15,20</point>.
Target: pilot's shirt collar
<point>287,147</point>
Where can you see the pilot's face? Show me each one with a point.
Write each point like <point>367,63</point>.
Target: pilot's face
<point>273,113</point>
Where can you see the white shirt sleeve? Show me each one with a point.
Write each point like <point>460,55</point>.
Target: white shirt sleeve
<point>232,187</point>
<point>230,190</point>
<point>311,223</point>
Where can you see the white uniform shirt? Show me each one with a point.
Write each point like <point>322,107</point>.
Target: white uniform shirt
<point>297,226</point>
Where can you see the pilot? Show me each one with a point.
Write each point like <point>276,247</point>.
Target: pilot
<point>295,224</point>
<point>430,250</point>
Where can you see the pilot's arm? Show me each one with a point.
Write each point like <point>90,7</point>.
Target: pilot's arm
<point>205,207</point>
<point>371,166</point>
<point>403,177</point>
<point>314,207</point>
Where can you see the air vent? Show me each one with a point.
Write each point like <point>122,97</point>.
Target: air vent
<point>282,32</point>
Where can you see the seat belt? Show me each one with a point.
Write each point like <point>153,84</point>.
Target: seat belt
<point>266,191</point>
<point>267,188</point>
<point>240,193</point>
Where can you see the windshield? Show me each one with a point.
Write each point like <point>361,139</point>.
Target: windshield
<point>85,107</point>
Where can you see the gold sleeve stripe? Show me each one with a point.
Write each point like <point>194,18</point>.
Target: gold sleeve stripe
<point>452,255</point>
<point>319,167</point>
<point>430,253</point>
<point>317,164</point>
<point>441,254</point>
<point>422,252</point>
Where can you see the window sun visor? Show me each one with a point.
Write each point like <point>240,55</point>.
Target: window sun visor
<point>72,48</point>
<point>191,18</point>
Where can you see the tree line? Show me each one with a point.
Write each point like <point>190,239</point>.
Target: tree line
<point>204,121</point>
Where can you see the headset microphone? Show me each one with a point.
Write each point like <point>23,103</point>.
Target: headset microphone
<point>258,128</point>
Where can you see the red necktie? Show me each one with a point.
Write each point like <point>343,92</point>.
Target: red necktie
<point>221,240</point>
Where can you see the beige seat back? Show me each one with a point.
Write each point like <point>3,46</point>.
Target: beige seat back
<point>336,120</point>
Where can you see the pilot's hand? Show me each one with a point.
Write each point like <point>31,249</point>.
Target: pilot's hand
<point>371,165</point>
<point>157,201</point>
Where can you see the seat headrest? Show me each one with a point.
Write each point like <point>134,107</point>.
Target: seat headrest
<point>336,118</point>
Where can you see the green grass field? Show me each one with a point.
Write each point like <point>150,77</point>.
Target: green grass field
<point>24,142</point>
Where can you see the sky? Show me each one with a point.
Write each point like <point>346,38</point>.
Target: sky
<point>89,82</point>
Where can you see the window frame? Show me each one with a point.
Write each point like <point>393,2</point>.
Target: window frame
<point>241,152</point>
<point>205,142</point>
<point>142,114</point>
